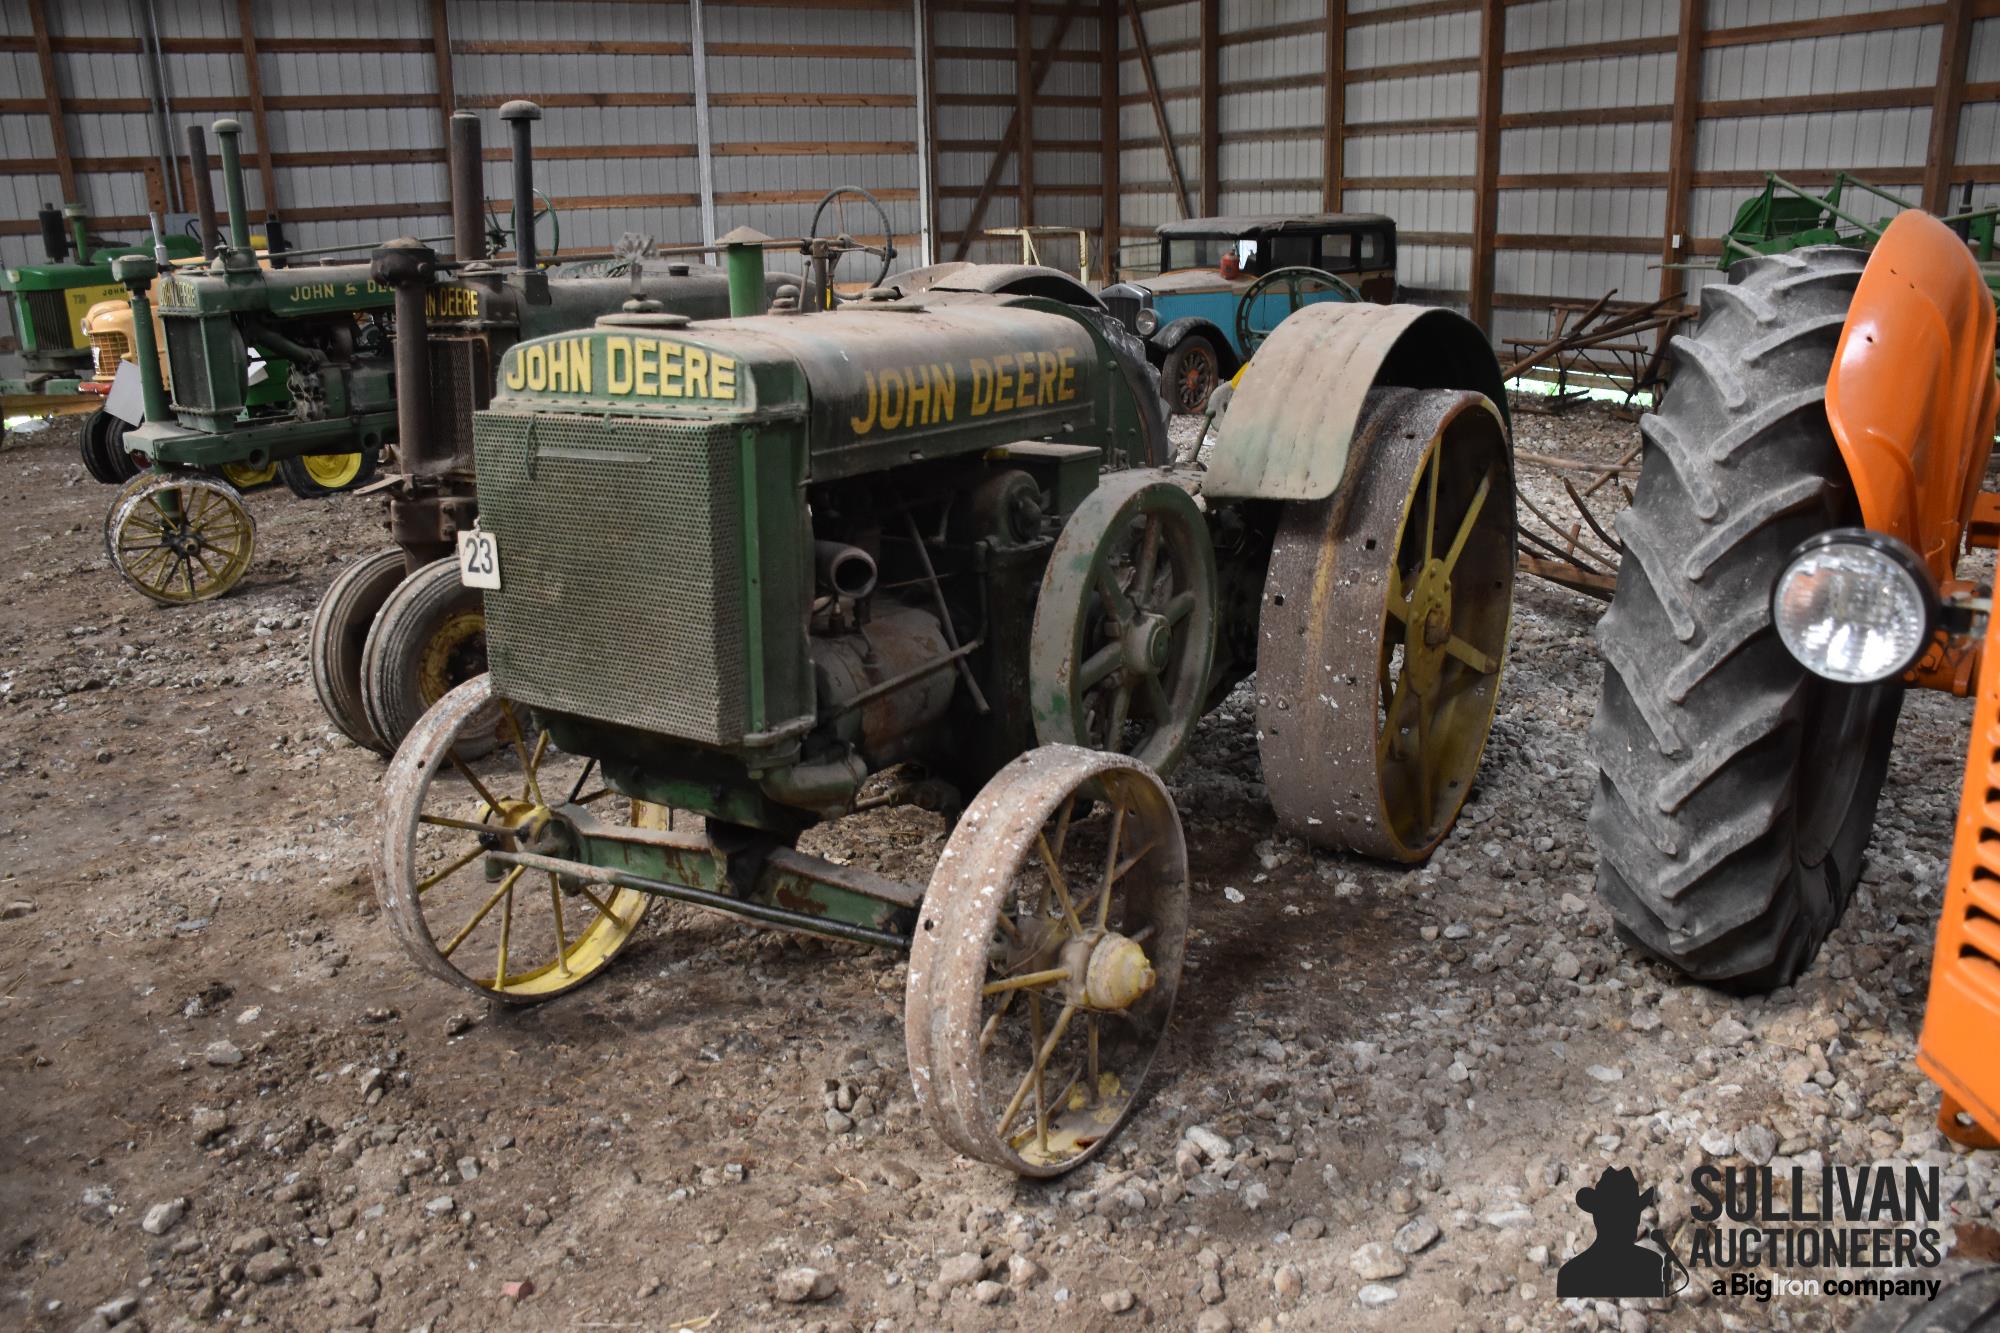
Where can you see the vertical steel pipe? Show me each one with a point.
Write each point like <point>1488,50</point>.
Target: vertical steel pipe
<point>468,189</point>
<point>407,265</point>
<point>227,132</point>
<point>204,188</point>
<point>521,116</point>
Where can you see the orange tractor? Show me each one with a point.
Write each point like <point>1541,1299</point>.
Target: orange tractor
<point>1791,568</point>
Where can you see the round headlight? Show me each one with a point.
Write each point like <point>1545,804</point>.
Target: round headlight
<point>1854,606</point>
<point>1146,321</point>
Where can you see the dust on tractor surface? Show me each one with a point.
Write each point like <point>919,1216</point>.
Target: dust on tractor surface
<point>930,548</point>
<point>1810,486</point>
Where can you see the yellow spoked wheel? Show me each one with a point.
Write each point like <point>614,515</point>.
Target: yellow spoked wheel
<point>516,934</point>
<point>181,537</point>
<point>1384,628</point>
<point>249,476</point>
<point>310,476</point>
<point>1046,957</point>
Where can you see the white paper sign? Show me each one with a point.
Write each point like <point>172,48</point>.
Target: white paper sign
<point>126,401</point>
<point>478,559</point>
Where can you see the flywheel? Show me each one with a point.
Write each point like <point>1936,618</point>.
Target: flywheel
<point>1384,626</point>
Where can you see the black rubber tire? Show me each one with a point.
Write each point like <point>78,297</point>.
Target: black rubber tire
<point>292,471</point>
<point>1189,374</point>
<point>339,639</point>
<point>90,446</point>
<point>393,692</point>
<point>1968,1302</point>
<point>1736,791</point>
<point>118,461</point>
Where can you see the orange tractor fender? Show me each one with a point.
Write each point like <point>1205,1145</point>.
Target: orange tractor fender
<point>1912,396</point>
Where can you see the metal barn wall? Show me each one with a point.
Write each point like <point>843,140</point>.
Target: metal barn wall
<point>1589,132</point>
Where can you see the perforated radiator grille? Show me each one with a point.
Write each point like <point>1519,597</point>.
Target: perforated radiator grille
<point>621,569</point>
<point>459,384</point>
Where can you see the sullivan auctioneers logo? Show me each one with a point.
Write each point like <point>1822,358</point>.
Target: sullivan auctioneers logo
<point>1810,1237</point>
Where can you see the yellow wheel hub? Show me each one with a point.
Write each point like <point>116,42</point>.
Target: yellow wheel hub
<point>447,659</point>
<point>332,471</point>
<point>243,476</point>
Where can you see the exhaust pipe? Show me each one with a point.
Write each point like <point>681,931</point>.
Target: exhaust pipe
<point>204,189</point>
<point>232,183</point>
<point>522,115</point>
<point>468,189</point>
<point>847,570</point>
<point>407,265</point>
<point>274,240</point>
<point>78,218</point>
<point>55,240</point>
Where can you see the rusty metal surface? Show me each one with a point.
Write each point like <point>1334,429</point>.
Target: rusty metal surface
<point>1354,604</point>
<point>998,839</point>
<point>1287,433</point>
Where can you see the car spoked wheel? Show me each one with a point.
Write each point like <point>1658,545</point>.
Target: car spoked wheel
<point>1189,374</point>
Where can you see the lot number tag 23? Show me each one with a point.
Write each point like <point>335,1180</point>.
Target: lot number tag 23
<point>478,559</point>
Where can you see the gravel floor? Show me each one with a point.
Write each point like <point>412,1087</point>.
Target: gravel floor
<point>227,1098</point>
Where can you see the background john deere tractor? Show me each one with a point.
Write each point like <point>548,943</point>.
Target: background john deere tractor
<point>396,630</point>
<point>767,571</point>
<point>1823,387</point>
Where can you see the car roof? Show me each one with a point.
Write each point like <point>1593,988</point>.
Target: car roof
<point>1240,224</point>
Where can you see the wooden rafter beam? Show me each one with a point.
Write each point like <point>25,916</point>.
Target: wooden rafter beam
<point>1680,150</point>
<point>441,54</point>
<point>253,82</point>
<point>1107,125</point>
<point>52,99</point>
<point>1950,96</point>
<point>1486,198</point>
<point>1209,22</point>
<point>1026,82</point>
<point>1152,76</point>
<point>1009,139</point>
<point>1333,104</point>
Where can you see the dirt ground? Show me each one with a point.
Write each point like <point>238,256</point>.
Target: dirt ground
<point>227,1098</point>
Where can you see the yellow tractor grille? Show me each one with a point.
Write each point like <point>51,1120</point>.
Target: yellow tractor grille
<point>106,351</point>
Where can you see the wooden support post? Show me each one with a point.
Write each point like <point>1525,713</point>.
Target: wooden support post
<point>1680,151</point>
<point>1145,50</point>
<point>1109,131</point>
<point>1009,137</point>
<point>1333,104</point>
<point>260,124</point>
<point>1025,85</point>
<point>1486,199</point>
<point>1211,99</point>
<point>934,240</point>
<point>1945,104</point>
<point>45,60</point>
<point>441,51</point>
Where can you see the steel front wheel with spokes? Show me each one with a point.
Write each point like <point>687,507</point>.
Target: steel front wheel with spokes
<point>518,935</point>
<point>1384,627</point>
<point>1124,631</point>
<point>1047,954</point>
<point>180,537</point>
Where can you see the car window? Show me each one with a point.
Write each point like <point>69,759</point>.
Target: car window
<point>1337,248</point>
<point>1203,251</point>
<point>1369,251</point>
<point>1294,251</point>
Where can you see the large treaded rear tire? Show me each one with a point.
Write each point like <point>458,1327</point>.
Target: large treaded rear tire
<point>1736,791</point>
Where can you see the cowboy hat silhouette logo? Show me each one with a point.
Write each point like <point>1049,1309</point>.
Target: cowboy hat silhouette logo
<point>1616,1265</point>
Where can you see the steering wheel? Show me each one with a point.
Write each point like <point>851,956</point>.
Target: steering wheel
<point>1297,286</point>
<point>824,251</point>
<point>497,235</point>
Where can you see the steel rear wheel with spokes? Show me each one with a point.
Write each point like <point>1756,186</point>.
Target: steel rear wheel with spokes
<point>180,537</point>
<point>516,934</point>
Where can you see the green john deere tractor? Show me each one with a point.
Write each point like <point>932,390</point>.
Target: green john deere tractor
<point>934,547</point>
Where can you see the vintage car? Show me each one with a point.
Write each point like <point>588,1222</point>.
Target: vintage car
<point>1226,282</point>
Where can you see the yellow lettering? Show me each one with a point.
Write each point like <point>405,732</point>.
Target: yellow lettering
<point>670,370</point>
<point>946,400</point>
<point>538,368</point>
<point>982,385</point>
<point>515,379</point>
<point>579,365</point>
<point>920,395</point>
<point>646,367</point>
<point>618,364</point>
<point>861,425</point>
<point>695,362</point>
<point>559,368</point>
<point>1024,396</point>
<point>722,377</point>
<point>1046,362</point>
<point>897,392</point>
<point>1003,384</point>
<point>350,289</point>
<point>1066,378</point>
